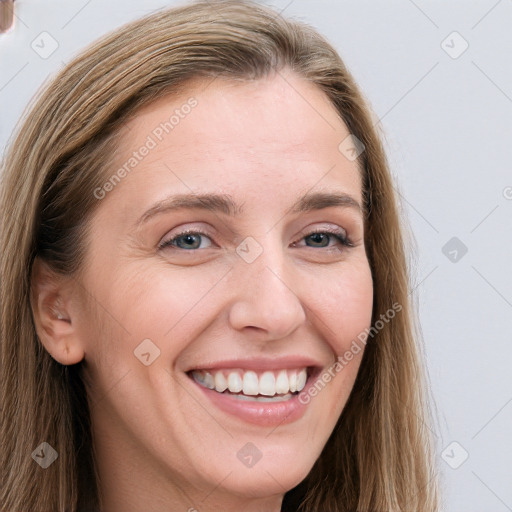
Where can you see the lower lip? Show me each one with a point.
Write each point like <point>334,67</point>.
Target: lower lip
<point>258,413</point>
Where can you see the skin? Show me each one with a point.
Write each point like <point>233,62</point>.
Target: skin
<point>161,444</point>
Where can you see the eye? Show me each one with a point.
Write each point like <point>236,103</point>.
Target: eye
<point>188,240</point>
<point>321,238</point>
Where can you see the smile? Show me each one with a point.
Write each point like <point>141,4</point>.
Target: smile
<point>262,391</point>
<point>266,386</point>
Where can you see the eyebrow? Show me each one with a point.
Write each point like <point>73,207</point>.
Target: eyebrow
<point>224,203</point>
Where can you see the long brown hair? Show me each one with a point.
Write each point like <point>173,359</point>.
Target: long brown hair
<point>380,454</point>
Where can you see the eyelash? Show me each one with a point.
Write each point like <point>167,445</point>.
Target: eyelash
<point>341,238</point>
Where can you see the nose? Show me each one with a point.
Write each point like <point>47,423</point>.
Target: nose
<point>264,299</point>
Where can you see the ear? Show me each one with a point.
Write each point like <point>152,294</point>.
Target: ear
<point>51,299</point>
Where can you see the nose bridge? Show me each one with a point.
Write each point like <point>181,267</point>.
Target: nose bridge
<point>264,297</point>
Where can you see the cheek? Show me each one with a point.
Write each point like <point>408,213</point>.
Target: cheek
<point>168,307</point>
<point>343,314</point>
<point>344,307</point>
<point>348,313</point>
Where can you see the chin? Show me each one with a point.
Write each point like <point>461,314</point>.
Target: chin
<point>274,476</point>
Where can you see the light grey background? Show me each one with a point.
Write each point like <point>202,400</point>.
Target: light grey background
<point>447,118</point>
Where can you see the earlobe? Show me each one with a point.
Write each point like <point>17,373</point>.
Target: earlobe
<point>51,302</point>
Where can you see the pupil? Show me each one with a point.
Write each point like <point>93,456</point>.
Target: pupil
<point>318,237</point>
<point>189,239</point>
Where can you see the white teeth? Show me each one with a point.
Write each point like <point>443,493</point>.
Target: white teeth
<point>282,384</point>
<point>292,379</point>
<point>221,384</point>
<point>250,383</point>
<point>301,380</point>
<point>234,382</point>
<point>267,384</point>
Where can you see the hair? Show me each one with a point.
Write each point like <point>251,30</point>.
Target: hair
<point>380,456</point>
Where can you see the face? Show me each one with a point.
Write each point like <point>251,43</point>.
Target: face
<point>226,271</point>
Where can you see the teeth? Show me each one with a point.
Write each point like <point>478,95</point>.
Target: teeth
<point>234,382</point>
<point>250,383</point>
<point>221,384</point>
<point>208,381</point>
<point>282,382</point>
<point>267,384</point>
<point>301,381</point>
<point>293,382</point>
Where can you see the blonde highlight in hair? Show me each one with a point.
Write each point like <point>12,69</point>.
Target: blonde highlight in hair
<point>380,454</point>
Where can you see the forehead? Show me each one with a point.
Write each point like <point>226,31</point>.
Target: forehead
<point>277,130</point>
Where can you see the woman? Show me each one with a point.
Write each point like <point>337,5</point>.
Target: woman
<point>204,287</point>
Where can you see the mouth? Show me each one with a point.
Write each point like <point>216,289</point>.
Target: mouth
<point>257,386</point>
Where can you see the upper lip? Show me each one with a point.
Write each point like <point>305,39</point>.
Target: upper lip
<point>261,364</point>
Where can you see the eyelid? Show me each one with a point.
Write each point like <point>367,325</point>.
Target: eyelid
<point>337,230</point>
